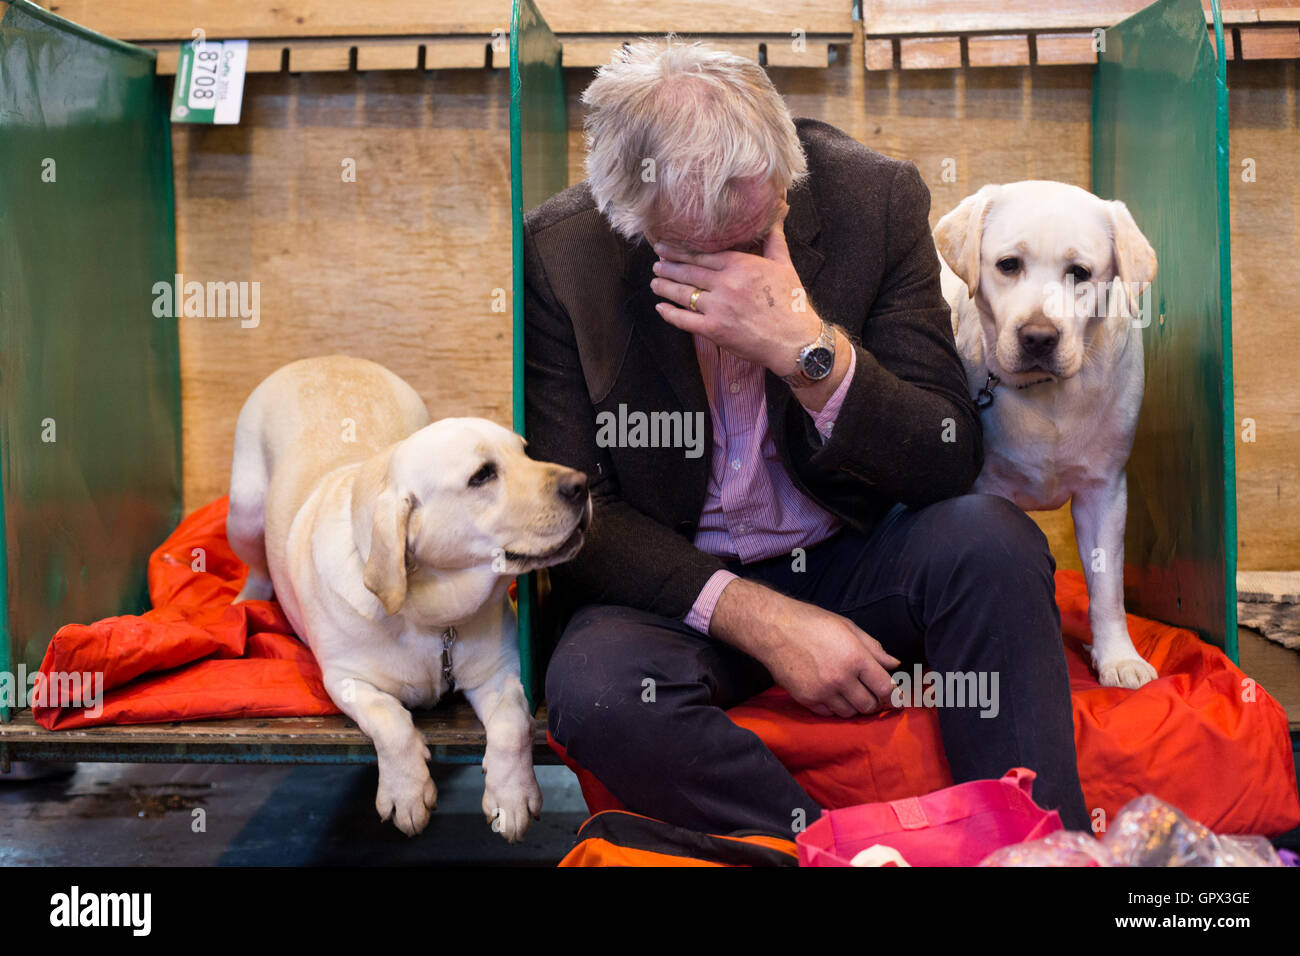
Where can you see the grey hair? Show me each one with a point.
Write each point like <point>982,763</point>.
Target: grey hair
<point>669,127</point>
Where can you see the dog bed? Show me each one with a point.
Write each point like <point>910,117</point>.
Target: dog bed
<point>1202,737</point>
<point>195,655</point>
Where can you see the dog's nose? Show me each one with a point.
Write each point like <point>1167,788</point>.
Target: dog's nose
<point>571,486</point>
<point>1038,340</point>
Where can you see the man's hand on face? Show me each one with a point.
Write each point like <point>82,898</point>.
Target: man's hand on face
<point>751,305</point>
<point>822,660</point>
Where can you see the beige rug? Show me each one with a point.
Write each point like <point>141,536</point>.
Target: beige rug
<point>1269,602</point>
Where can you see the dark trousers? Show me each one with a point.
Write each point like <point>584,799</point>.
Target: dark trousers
<point>963,585</point>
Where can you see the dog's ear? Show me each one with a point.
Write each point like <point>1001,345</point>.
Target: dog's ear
<point>385,573</point>
<point>957,235</point>
<point>1135,260</point>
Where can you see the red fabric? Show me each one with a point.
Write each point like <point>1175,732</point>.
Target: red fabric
<point>1202,737</point>
<point>195,655</point>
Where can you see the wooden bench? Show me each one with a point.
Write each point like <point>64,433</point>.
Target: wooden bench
<point>453,733</point>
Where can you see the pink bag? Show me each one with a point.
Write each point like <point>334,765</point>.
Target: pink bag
<point>957,826</point>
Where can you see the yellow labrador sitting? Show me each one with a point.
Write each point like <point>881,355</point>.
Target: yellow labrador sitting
<point>1048,287</point>
<point>390,543</point>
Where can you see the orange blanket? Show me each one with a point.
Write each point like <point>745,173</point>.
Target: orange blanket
<point>195,655</point>
<point>1202,737</point>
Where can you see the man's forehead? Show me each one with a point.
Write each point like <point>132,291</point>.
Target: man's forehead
<point>747,235</point>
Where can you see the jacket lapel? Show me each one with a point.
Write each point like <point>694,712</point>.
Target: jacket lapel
<point>670,348</point>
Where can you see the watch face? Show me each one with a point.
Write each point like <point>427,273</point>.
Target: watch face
<point>818,362</point>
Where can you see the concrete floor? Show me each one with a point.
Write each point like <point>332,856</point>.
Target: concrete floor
<point>145,814</point>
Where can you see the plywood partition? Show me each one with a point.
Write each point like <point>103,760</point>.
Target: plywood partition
<point>1264,129</point>
<point>404,264</point>
<point>374,212</point>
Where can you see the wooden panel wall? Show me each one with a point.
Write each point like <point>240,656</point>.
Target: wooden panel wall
<point>402,265</point>
<point>409,265</point>
<point>1264,110</point>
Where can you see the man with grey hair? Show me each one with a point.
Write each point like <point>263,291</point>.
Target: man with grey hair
<point>777,279</point>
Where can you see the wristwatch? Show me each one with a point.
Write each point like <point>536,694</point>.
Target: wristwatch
<point>816,360</point>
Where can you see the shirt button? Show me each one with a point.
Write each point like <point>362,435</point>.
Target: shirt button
<point>740,529</point>
<point>735,387</point>
<point>735,464</point>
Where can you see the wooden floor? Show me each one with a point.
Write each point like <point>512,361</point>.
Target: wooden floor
<point>452,731</point>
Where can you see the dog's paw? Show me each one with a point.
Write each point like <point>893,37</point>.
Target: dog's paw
<point>511,809</point>
<point>407,797</point>
<point>1130,672</point>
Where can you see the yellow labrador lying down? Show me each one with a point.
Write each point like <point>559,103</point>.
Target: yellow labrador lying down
<point>1053,353</point>
<point>390,543</point>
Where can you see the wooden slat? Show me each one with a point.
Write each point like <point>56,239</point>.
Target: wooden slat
<point>222,19</point>
<point>929,53</point>
<point>1057,49</point>
<point>879,54</point>
<point>814,53</point>
<point>319,59</point>
<point>388,55</point>
<point>452,725</point>
<point>582,51</point>
<point>984,50</point>
<point>1270,42</point>
<point>901,17</point>
<point>265,57</point>
<point>910,17</point>
<point>473,52</point>
<point>457,53</point>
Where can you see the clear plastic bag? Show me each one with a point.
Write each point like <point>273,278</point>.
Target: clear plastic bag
<point>1149,832</point>
<point>1146,832</point>
<point>1062,848</point>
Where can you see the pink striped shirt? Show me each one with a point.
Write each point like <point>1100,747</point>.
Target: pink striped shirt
<point>752,510</point>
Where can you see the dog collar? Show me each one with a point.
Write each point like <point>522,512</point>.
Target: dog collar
<point>984,397</point>
<point>448,639</point>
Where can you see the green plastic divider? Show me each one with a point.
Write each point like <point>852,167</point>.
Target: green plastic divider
<point>539,168</point>
<point>90,467</point>
<point>1160,145</point>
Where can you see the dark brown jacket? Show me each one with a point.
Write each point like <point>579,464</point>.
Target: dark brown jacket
<point>859,237</point>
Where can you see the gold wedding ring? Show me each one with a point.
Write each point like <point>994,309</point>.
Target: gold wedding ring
<point>695,296</point>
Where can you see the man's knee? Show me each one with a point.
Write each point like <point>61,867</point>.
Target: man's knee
<point>595,682</point>
<point>990,526</point>
<point>991,543</point>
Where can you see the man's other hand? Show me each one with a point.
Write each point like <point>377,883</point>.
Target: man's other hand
<point>823,660</point>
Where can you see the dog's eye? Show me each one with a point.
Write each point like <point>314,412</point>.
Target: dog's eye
<point>483,475</point>
<point>1009,266</point>
<point>1080,273</point>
